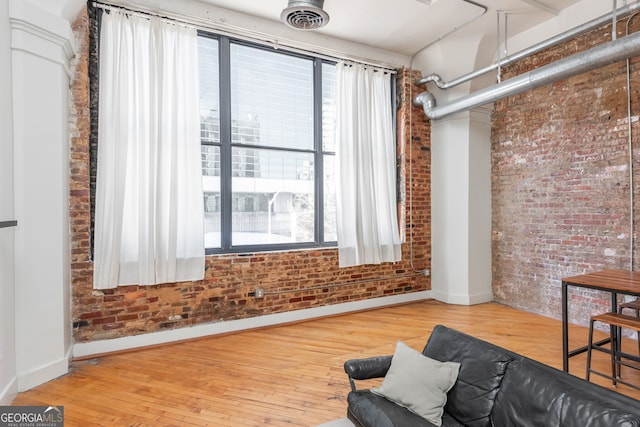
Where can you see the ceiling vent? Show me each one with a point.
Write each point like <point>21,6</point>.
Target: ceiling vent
<point>305,15</point>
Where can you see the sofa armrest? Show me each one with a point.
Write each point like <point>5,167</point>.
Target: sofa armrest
<point>364,369</point>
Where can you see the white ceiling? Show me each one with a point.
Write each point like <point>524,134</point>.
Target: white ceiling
<point>406,26</point>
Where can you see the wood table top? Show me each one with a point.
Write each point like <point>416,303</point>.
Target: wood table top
<point>624,281</point>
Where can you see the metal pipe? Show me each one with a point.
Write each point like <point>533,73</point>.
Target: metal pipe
<point>579,63</point>
<point>614,19</point>
<point>506,34</point>
<point>584,28</point>
<point>499,76</point>
<point>7,224</point>
<point>631,168</point>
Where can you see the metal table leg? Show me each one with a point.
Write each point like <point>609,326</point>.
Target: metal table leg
<point>565,329</point>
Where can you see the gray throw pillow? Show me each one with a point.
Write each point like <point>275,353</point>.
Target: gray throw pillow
<point>418,383</point>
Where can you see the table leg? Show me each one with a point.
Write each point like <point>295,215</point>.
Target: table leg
<point>615,338</point>
<point>565,329</point>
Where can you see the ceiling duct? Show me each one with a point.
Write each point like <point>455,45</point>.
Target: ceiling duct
<point>305,14</point>
<point>582,62</point>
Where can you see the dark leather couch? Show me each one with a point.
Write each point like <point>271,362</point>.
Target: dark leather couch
<point>495,387</point>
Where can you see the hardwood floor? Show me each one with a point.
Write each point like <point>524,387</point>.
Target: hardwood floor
<point>282,376</point>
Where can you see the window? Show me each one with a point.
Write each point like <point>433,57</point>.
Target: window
<point>267,134</point>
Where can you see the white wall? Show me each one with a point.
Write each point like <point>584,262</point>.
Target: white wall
<point>42,45</point>
<point>578,14</point>
<point>8,382</point>
<point>66,9</point>
<point>450,207</point>
<point>479,215</point>
<point>461,208</point>
<point>460,183</point>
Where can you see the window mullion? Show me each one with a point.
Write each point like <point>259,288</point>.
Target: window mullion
<point>225,148</point>
<point>319,159</point>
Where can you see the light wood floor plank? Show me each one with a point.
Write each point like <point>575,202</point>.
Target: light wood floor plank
<point>283,376</point>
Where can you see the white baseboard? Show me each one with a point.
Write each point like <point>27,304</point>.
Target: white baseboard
<point>462,299</point>
<point>88,349</point>
<point>9,392</point>
<point>44,374</point>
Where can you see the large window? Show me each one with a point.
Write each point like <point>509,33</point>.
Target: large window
<point>267,133</point>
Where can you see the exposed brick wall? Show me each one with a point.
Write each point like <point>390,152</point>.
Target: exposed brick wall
<point>560,176</point>
<point>223,294</point>
<point>79,196</point>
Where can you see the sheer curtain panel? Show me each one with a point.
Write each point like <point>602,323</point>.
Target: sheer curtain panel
<point>149,202</point>
<point>366,168</point>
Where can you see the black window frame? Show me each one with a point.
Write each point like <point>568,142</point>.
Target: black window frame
<point>226,148</point>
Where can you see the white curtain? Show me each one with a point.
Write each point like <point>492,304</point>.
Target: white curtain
<point>366,168</point>
<point>149,205</point>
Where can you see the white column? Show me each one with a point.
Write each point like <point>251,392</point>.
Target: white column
<point>461,208</point>
<point>8,380</point>
<point>42,46</point>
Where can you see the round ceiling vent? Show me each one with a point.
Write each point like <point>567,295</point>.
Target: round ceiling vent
<point>305,15</point>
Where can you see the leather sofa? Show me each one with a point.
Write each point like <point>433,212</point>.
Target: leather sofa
<point>495,387</point>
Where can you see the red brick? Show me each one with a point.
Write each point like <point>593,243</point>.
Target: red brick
<point>560,181</point>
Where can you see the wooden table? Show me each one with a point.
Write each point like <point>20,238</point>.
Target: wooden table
<point>612,281</point>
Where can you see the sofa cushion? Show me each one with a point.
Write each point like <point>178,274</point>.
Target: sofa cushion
<point>482,367</point>
<point>581,410</point>
<point>533,396</point>
<point>525,399</point>
<point>368,409</point>
<point>419,383</point>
